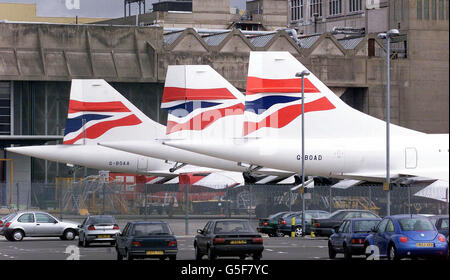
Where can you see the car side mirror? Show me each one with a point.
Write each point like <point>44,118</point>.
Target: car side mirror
<point>333,230</point>
<point>79,226</point>
<point>200,231</point>
<point>374,229</point>
<point>55,222</point>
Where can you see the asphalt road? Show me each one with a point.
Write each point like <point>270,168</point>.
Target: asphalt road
<point>55,249</point>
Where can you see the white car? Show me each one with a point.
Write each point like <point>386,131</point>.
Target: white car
<point>98,229</point>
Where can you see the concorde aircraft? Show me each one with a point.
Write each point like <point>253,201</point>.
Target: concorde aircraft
<point>340,141</point>
<point>98,113</point>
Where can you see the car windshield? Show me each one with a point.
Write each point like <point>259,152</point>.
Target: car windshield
<point>274,216</point>
<point>444,223</point>
<point>415,224</point>
<point>233,227</point>
<point>98,220</point>
<point>322,215</point>
<point>364,226</point>
<point>8,217</point>
<point>151,229</point>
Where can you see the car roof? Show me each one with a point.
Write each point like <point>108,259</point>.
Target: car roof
<point>364,219</point>
<point>229,220</point>
<point>147,222</point>
<point>401,216</point>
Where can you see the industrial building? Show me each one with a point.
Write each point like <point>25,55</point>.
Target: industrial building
<point>38,61</point>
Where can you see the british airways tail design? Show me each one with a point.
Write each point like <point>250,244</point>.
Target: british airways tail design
<point>97,112</point>
<point>201,103</point>
<point>340,141</point>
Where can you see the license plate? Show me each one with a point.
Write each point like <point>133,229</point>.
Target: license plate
<point>238,242</point>
<point>104,236</point>
<point>154,253</point>
<point>425,244</point>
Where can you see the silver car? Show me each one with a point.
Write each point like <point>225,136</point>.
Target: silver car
<point>38,224</point>
<point>98,229</point>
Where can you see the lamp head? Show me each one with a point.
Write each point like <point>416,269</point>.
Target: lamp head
<point>382,36</point>
<point>302,74</point>
<point>393,32</point>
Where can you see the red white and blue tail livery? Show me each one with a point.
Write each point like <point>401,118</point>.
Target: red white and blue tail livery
<point>201,103</point>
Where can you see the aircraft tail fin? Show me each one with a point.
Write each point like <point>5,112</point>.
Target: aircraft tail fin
<point>98,113</point>
<point>273,103</point>
<point>201,103</point>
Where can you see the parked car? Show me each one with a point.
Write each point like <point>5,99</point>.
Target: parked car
<point>412,236</point>
<point>3,221</point>
<point>349,238</point>
<point>33,224</point>
<point>441,223</point>
<point>269,225</point>
<point>285,222</point>
<point>324,226</point>
<point>146,240</point>
<point>228,238</point>
<point>98,229</point>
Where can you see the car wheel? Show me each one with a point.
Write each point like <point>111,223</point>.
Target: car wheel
<point>331,251</point>
<point>9,237</point>
<point>347,253</point>
<point>298,231</point>
<point>392,253</point>
<point>85,242</point>
<point>198,255</point>
<point>280,234</point>
<point>211,255</point>
<point>18,235</point>
<point>119,255</point>
<point>129,256</point>
<point>69,234</point>
<point>257,256</point>
<point>271,235</point>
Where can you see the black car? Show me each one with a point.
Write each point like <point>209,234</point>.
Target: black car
<point>228,238</point>
<point>324,226</point>
<point>269,225</point>
<point>146,240</point>
<point>285,222</point>
<point>441,223</point>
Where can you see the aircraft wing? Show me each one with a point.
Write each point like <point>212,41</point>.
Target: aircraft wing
<point>432,174</point>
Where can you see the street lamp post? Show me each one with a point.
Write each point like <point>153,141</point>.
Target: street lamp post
<point>302,75</point>
<point>391,33</point>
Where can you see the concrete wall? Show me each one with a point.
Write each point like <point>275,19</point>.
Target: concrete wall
<point>211,6</point>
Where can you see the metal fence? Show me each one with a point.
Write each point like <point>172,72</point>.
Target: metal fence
<point>92,195</point>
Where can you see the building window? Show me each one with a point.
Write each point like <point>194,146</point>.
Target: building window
<point>447,8</point>
<point>355,5</point>
<point>419,9</point>
<point>426,10</point>
<point>296,9</point>
<point>395,10</point>
<point>315,8</point>
<point>441,9</point>
<point>433,9</point>
<point>335,7</point>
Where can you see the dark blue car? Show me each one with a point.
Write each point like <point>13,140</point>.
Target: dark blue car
<point>350,237</point>
<point>146,240</point>
<point>409,236</point>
